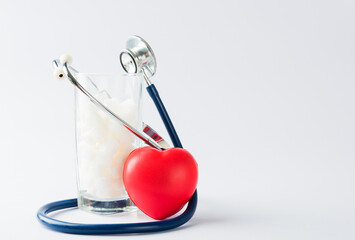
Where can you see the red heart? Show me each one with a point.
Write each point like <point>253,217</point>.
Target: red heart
<point>160,183</point>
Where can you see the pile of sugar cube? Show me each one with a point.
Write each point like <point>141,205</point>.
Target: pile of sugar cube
<point>103,145</point>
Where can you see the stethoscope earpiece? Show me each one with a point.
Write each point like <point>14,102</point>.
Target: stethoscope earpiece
<point>59,73</point>
<point>58,66</point>
<point>66,58</point>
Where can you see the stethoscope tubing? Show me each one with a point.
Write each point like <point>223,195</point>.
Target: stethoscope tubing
<point>154,94</point>
<point>99,229</point>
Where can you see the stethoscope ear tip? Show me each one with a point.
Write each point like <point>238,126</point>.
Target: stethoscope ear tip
<point>58,66</point>
<point>59,73</point>
<point>66,58</point>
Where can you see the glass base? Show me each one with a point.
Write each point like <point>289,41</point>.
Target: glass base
<point>106,207</point>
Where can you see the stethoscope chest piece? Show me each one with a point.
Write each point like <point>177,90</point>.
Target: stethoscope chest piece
<point>137,56</point>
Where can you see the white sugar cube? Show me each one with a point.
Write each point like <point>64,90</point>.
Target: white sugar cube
<point>103,145</point>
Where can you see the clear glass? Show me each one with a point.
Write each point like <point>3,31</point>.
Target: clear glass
<point>102,143</point>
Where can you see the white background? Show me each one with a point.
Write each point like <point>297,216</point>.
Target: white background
<point>261,93</point>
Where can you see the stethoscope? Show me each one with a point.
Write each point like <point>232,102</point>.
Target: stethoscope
<point>138,57</point>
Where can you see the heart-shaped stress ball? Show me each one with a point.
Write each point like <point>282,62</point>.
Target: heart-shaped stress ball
<point>160,183</point>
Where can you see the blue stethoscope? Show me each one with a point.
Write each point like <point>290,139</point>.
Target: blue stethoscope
<point>137,57</point>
